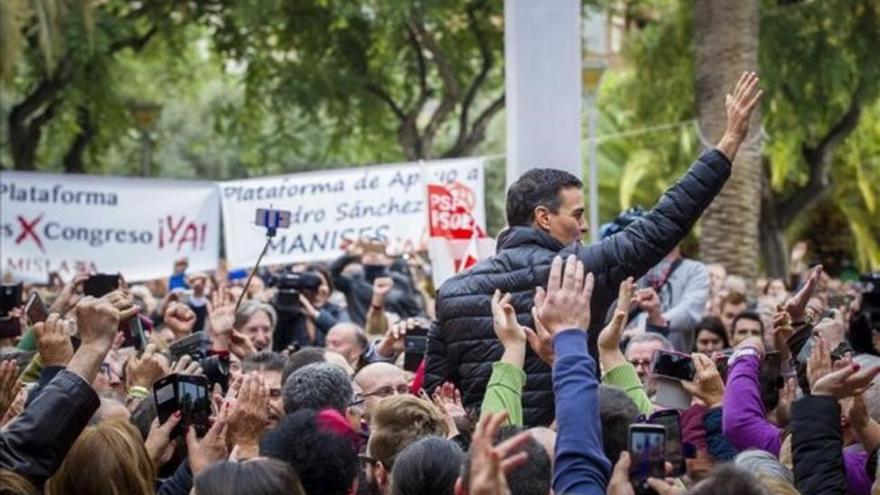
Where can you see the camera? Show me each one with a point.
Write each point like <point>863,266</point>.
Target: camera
<point>290,285</point>
<point>197,346</point>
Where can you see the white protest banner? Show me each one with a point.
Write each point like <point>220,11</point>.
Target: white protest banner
<point>330,208</point>
<point>64,223</point>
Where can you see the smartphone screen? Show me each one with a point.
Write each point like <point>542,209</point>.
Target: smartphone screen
<point>133,334</point>
<point>673,365</point>
<point>415,345</point>
<point>670,420</point>
<point>36,309</point>
<point>647,450</point>
<point>165,396</point>
<point>100,284</point>
<point>194,402</point>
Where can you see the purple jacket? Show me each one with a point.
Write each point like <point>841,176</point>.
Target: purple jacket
<point>747,427</point>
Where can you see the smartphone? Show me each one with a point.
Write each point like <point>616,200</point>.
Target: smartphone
<point>647,451</point>
<point>670,419</point>
<point>672,364</point>
<point>100,284</point>
<point>133,333</point>
<point>415,344</point>
<point>10,297</point>
<point>372,272</point>
<point>188,394</point>
<point>36,309</point>
<point>22,358</point>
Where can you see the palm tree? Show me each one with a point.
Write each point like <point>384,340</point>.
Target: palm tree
<point>726,45</point>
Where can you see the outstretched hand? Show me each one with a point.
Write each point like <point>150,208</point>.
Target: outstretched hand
<point>796,306</point>
<point>566,303</point>
<point>739,106</point>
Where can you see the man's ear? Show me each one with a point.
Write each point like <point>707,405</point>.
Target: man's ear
<point>382,475</point>
<point>542,218</point>
<point>459,487</point>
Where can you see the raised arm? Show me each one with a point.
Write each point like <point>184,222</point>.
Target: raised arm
<point>580,465</point>
<point>645,242</point>
<point>745,421</point>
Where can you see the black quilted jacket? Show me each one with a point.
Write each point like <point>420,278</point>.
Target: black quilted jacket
<point>462,345</point>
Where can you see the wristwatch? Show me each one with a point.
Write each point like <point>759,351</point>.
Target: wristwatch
<point>745,351</point>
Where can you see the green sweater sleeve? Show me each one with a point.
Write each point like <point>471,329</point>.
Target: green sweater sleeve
<point>28,340</point>
<point>624,377</point>
<point>504,392</point>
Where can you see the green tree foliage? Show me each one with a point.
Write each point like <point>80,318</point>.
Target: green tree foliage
<point>819,68</point>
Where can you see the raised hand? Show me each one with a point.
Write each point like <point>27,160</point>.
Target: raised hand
<point>846,382</point>
<point>796,306</point>
<point>609,337</point>
<point>739,107</point>
<point>211,448</point>
<point>781,331</point>
<point>145,370</point>
<point>249,416</point>
<point>97,321</point>
<point>507,328</point>
<point>819,362</point>
<point>707,385</point>
<point>540,339</point>
<point>53,340</point>
<point>381,287</point>
<point>180,319</point>
<point>159,444</point>
<point>68,297</point>
<point>489,464</point>
<point>186,366</point>
<point>566,303</point>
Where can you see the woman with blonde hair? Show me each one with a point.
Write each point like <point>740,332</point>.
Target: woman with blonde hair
<point>107,459</point>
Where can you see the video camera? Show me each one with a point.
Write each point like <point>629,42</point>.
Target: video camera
<point>198,347</point>
<point>290,285</point>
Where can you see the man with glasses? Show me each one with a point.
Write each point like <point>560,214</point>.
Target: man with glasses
<point>378,381</point>
<point>639,351</point>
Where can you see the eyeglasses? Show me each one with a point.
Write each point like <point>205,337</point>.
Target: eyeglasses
<point>640,362</point>
<point>388,391</point>
<point>357,400</point>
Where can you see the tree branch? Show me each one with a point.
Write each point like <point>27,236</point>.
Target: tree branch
<point>377,91</point>
<point>451,86</point>
<point>818,158</point>
<point>478,130</point>
<point>136,43</point>
<point>488,61</point>
<point>424,92</point>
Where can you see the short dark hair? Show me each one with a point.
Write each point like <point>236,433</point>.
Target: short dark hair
<point>264,360</point>
<point>317,386</point>
<point>261,476</point>
<point>727,479</point>
<point>535,477</point>
<point>300,358</point>
<point>319,447</point>
<point>537,187</point>
<point>617,412</point>
<point>747,315</point>
<point>713,325</point>
<point>733,297</point>
<point>430,465</point>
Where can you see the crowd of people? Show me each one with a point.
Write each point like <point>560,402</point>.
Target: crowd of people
<point>534,372</point>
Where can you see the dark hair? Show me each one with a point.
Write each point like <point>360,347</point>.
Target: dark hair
<point>430,465</point>
<point>317,386</point>
<point>532,478</point>
<point>259,476</point>
<point>319,446</point>
<point>300,358</point>
<point>727,479</point>
<point>264,360</point>
<point>617,412</point>
<point>747,315</point>
<point>537,187</point>
<point>324,273</point>
<point>713,325</point>
<point>733,297</point>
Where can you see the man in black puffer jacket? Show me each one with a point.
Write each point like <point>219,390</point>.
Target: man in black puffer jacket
<point>545,210</point>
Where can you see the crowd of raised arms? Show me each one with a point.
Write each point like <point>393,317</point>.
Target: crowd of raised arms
<point>544,370</point>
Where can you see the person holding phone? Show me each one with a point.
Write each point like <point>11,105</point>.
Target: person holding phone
<point>359,285</point>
